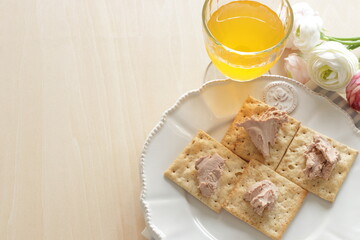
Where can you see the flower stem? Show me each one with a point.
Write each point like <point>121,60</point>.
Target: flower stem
<point>350,43</point>
<point>347,39</point>
<point>340,41</point>
<point>352,47</point>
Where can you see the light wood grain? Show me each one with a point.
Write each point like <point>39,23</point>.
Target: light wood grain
<point>82,82</point>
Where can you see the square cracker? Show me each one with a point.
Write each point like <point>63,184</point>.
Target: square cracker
<point>238,141</point>
<point>293,164</point>
<point>182,171</point>
<point>274,221</point>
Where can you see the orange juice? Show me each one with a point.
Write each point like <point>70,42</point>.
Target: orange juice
<point>245,26</point>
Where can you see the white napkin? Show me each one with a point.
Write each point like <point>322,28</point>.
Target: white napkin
<point>338,99</point>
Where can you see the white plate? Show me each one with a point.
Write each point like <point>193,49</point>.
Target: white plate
<point>173,214</point>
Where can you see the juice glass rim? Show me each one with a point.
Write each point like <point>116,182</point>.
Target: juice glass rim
<point>208,32</point>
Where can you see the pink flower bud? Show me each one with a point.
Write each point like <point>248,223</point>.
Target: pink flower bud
<point>353,92</point>
<point>296,67</point>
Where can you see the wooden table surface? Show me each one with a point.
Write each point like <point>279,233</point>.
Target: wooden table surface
<point>82,84</point>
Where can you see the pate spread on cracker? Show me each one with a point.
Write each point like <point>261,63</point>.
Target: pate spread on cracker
<point>239,142</point>
<point>321,158</point>
<point>209,171</point>
<point>183,172</point>
<point>275,220</point>
<point>263,129</point>
<point>293,163</point>
<point>261,195</point>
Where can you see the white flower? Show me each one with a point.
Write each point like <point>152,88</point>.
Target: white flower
<point>306,28</point>
<point>307,33</point>
<point>297,68</point>
<point>331,65</point>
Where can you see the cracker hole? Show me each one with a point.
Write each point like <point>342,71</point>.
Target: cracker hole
<point>283,170</point>
<point>298,178</point>
<point>349,153</point>
<point>268,164</point>
<point>340,173</point>
<point>228,157</point>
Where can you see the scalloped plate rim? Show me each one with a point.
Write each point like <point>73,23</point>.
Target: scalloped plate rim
<point>153,229</point>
